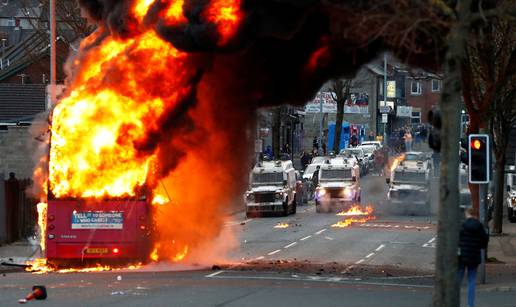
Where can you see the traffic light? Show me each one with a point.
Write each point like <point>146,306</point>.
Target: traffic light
<point>434,137</point>
<point>479,158</point>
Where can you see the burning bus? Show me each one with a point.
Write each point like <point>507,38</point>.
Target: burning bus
<point>84,231</point>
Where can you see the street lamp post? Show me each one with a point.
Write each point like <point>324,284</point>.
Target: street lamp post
<point>385,94</point>
<point>52,20</point>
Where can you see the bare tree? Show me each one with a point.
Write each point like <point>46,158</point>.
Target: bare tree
<point>489,72</point>
<point>341,88</point>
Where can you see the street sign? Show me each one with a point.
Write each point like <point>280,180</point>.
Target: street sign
<point>385,109</point>
<point>385,118</point>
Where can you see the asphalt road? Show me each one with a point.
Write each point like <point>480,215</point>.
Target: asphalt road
<point>385,261</point>
<point>407,241</point>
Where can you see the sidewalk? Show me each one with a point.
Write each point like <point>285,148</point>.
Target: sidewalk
<point>16,253</point>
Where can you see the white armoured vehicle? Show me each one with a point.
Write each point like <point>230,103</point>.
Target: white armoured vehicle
<point>272,189</point>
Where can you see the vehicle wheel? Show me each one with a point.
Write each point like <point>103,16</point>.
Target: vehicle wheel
<point>294,209</point>
<point>510,214</point>
<point>285,207</point>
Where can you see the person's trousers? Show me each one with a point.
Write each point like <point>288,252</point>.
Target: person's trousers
<point>472,278</point>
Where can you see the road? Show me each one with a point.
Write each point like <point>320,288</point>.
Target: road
<point>387,260</point>
<point>407,241</point>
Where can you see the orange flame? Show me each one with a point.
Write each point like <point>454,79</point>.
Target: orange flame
<point>281,225</point>
<point>120,92</point>
<point>356,210</point>
<point>226,14</point>
<point>356,215</point>
<point>42,224</point>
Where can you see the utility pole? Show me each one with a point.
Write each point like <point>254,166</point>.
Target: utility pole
<point>52,20</point>
<point>446,288</point>
<point>321,124</point>
<point>3,53</point>
<point>385,94</point>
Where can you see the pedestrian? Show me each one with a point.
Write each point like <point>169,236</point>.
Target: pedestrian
<point>315,143</point>
<point>408,140</point>
<point>324,148</point>
<point>473,238</point>
<point>315,177</point>
<point>305,160</point>
<point>371,136</point>
<point>354,140</point>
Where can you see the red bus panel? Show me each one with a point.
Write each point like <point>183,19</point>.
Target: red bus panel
<point>80,230</point>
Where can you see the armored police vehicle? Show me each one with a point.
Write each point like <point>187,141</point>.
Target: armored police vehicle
<point>272,189</point>
<point>338,185</point>
<point>409,186</point>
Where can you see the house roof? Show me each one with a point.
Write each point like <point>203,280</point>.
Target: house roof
<point>21,102</point>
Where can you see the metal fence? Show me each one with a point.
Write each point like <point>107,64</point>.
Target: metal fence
<point>18,214</point>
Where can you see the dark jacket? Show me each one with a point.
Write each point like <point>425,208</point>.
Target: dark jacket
<point>472,239</point>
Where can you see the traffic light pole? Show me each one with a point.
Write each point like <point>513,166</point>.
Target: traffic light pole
<point>483,219</point>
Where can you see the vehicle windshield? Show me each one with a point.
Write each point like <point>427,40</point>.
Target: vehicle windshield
<point>318,159</point>
<point>353,152</point>
<point>368,149</point>
<point>413,157</point>
<point>413,177</point>
<point>336,175</point>
<point>268,178</point>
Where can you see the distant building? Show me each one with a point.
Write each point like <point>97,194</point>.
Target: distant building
<point>423,91</point>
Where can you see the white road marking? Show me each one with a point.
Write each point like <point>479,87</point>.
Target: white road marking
<point>431,243</point>
<point>379,248</point>
<point>274,252</point>
<point>214,274</point>
<point>307,237</point>
<point>290,245</point>
<point>259,258</point>
<point>432,240</point>
<point>329,238</point>
<point>360,261</point>
<point>320,231</point>
<point>370,255</point>
<point>322,279</point>
<point>397,226</point>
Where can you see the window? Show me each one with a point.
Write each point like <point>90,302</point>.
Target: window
<point>415,88</point>
<point>436,85</point>
<point>416,117</point>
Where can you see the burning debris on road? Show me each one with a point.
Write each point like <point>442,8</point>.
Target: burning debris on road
<point>355,215</point>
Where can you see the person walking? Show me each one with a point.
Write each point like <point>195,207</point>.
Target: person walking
<point>473,238</point>
<point>305,159</point>
<point>408,140</point>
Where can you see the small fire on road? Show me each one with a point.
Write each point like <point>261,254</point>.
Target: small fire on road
<point>355,215</point>
<point>281,225</point>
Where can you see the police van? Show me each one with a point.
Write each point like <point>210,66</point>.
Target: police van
<point>272,189</point>
<point>409,186</point>
<point>338,185</point>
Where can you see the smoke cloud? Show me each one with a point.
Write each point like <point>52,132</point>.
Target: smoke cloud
<point>232,61</point>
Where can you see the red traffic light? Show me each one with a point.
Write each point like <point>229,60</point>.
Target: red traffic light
<point>476,144</point>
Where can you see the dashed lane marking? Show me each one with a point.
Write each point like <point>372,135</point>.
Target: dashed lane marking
<point>431,243</point>
<point>360,261</point>
<point>214,274</point>
<point>307,237</point>
<point>259,258</point>
<point>274,252</point>
<point>320,231</point>
<point>290,245</point>
<point>379,248</point>
<point>370,255</point>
